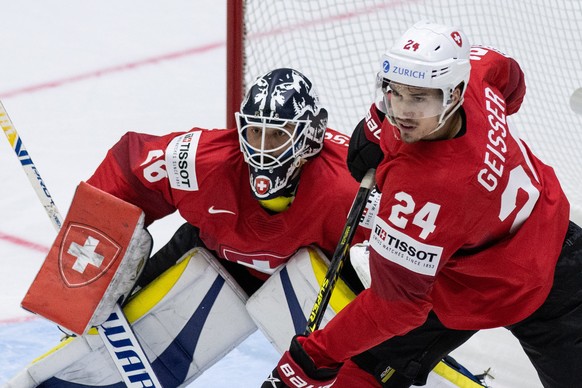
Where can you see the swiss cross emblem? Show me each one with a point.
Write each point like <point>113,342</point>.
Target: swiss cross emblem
<point>262,185</point>
<point>85,255</point>
<point>266,262</point>
<point>457,38</point>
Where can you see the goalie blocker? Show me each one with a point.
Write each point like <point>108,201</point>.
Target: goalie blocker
<point>93,263</point>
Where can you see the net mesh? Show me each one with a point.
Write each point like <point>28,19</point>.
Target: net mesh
<point>338,45</point>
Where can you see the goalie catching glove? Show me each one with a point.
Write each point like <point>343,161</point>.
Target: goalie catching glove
<point>364,150</point>
<point>297,369</point>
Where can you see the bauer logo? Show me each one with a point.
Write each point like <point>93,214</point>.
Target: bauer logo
<point>85,255</point>
<point>401,249</point>
<point>181,161</point>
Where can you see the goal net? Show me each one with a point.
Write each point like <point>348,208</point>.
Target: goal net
<point>338,45</point>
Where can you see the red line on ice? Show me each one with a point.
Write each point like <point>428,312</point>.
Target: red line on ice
<point>110,70</point>
<point>188,52</point>
<point>23,243</point>
<point>8,321</point>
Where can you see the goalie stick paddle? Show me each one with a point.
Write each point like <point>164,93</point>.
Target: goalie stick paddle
<point>117,323</point>
<point>341,252</point>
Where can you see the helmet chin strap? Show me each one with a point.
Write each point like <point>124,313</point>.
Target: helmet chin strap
<point>445,116</point>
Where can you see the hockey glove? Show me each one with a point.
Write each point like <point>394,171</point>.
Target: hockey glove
<point>296,369</point>
<point>364,149</point>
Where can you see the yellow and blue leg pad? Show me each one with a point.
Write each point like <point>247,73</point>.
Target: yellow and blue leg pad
<point>185,320</point>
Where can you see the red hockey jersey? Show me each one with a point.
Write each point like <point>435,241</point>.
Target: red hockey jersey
<point>202,174</point>
<point>470,227</point>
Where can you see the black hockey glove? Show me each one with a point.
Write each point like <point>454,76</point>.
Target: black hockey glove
<point>364,150</point>
<point>297,369</point>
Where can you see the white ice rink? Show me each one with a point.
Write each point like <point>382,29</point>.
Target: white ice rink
<point>76,75</point>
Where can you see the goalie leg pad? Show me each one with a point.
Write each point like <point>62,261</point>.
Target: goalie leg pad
<point>281,306</point>
<point>186,320</point>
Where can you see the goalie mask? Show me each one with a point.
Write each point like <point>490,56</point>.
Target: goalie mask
<point>428,56</point>
<point>280,126</point>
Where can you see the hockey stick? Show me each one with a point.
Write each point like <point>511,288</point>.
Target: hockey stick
<point>341,252</point>
<point>116,330</point>
<point>30,169</point>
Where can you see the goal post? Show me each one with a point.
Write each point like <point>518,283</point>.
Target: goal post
<point>338,45</point>
<point>234,59</point>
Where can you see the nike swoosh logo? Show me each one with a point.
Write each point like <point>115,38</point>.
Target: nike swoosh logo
<point>212,210</point>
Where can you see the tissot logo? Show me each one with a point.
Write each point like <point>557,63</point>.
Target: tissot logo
<point>181,161</point>
<point>85,255</point>
<point>380,232</point>
<point>400,248</point>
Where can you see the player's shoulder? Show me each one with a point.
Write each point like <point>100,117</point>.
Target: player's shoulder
<point>493,67</point>
<point>336,139</point>
<point>202,153</point>
<point>329,169</point>
<point>335,146</point>
<point>201,142</point>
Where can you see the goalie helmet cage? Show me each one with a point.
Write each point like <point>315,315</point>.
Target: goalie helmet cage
<point>338,45</point>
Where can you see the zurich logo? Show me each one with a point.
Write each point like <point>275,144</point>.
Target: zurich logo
<point>386,66</point>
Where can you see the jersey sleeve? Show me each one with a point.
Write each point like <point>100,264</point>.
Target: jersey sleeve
<point>133,170</point>
<point>501,71</point>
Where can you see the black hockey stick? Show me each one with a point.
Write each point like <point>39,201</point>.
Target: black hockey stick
<point>341,252</point>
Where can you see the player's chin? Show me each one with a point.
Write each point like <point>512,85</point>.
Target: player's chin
<point>408,136</point>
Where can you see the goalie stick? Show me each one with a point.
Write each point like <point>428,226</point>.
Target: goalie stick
<point>29,168</point>
<point>117,323</point>
<point>341,252</point>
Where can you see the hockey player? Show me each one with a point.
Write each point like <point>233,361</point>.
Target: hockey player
<point>472,232</point>
<point>248,208</point>
<point>254,198</point>
<point>253,195</point>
